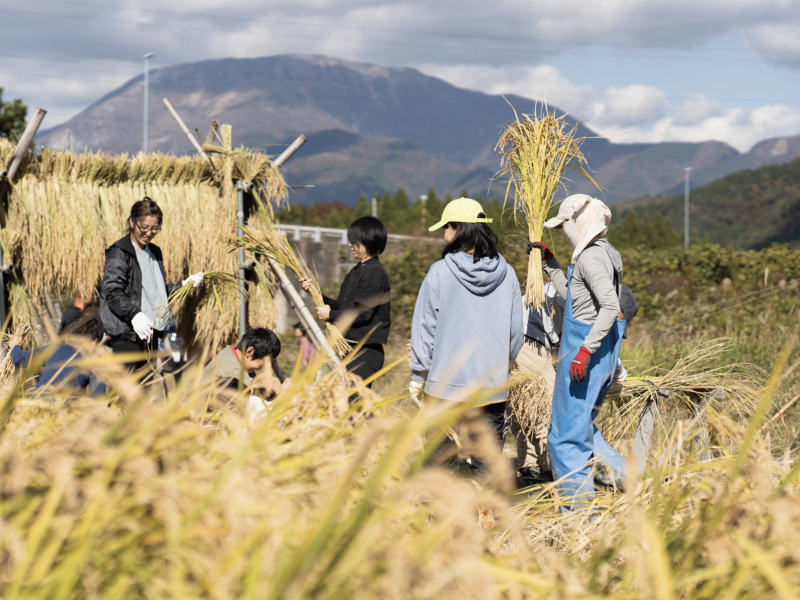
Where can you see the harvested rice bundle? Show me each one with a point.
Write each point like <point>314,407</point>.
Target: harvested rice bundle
<point>692,376</point>
<point>215,279</point>
<point>273,244</point>
<point>7,368</point>
<point>532,404</point>
<point>536,150</point>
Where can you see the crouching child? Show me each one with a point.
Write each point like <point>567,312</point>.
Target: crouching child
<point>59,369</point>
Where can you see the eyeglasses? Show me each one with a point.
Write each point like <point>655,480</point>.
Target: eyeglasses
<point>146,230</point>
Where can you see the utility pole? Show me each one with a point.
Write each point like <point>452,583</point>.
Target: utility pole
<point>147,58</point>
<point>423,199</point>
<point>686,209</point>
<point>375,207</point>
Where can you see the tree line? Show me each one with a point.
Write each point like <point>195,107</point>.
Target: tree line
<point>403,215</point>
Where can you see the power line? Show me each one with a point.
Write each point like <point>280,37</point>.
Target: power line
<point>459,35</point>
<point>386,42</point>
<point>599,95</point>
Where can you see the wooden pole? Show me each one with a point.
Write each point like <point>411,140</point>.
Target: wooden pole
<point>287,154</point>
<point>318,337</point>
<point>25,142</point>
<point>185,129</point>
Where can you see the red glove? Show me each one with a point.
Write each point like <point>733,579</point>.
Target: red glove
<point>577,370</point>
<point>546,253</point>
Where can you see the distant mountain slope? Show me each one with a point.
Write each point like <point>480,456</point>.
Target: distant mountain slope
<point>747,209</point>
<point>421,130</point>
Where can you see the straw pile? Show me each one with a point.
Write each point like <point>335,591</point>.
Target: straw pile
<point>271,243</point>
<point>692,378</point>
<point>65,208</point>
<point>536,150</point>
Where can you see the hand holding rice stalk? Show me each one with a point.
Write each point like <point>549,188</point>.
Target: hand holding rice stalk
<point>273,244</point>
<point>213,278</point>
<point>535,152</point>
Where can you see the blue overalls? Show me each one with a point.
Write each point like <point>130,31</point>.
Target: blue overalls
<point>573,440</point>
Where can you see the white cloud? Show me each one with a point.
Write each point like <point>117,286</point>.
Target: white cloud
<point>641,112</point>
<point>741,128</point>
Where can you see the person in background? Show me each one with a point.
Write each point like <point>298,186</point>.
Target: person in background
<point>135,292</point>
<point>467,324</point>
<point>628,309</point>
<point>363,298</point>
<point>307,348</point>
<point>542,329</point>
<point>57,370</point>
<point>80,302</point>
<point>590,340</point>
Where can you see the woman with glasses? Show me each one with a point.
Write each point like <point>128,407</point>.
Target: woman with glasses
<point>135,289</point>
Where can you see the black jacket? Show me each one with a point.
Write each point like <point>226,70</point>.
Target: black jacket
<point>121,292</point>
<point>366,290</point>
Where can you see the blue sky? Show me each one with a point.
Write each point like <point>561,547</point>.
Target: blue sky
<point>664,70</point>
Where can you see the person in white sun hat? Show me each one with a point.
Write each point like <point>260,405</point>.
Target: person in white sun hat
<point>590,340</point>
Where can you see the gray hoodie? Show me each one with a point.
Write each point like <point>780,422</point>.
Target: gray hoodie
<point>467,328</point>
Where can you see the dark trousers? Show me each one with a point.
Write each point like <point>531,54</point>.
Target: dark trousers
<point>494,416</point>
<point>122,346</point>
<point>368,361</point>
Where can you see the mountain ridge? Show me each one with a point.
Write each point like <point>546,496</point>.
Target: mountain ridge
<point>398,113</point>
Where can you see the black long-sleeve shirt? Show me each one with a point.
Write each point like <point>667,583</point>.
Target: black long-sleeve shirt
<point>366,291</point>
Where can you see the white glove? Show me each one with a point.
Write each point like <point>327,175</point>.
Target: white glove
<point>256,408</point>
<point>416,392</point>
<point>620,373</point>
<point>197,278</point>
<point>142,326</point>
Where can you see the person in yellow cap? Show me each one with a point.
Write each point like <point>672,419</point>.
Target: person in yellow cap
<point>467,325</point>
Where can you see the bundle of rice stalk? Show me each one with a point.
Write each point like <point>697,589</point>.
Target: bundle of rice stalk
<point>692,377</point>
<point>532,402</point>
<point>536,150</point>
<point>273,244</point>
<point>7,368</point>
<point>216,280</point>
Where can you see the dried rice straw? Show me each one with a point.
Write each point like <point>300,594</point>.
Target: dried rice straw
<point>535,153</point>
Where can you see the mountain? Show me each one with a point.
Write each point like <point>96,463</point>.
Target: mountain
<point>370,128</point>
<point>746,209</point>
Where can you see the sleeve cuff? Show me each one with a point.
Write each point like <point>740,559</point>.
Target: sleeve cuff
<point>334,315</point>
<point>419,376</point>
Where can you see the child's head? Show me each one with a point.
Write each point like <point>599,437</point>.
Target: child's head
<point>299,330</point>
<point>466,230</point>
<point>369,234</point>
<point>258,346</point>
<point>88,327</point>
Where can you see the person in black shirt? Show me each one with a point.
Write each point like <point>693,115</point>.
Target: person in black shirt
<point>363,301</point>
<point>80,302</point>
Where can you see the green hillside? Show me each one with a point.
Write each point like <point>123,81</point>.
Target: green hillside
<point>747,209</point>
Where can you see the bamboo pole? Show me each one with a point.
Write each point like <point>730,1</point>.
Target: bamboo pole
<point>25,141</point>
<point>318,337</point>
<point>287,154</point>
<point>185,129</point>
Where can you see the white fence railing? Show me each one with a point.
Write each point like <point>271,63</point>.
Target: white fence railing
<point>299,232</point>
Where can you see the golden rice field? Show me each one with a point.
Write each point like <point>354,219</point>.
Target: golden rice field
<point>129,497</point>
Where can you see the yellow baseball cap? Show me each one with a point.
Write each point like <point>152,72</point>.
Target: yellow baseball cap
<point>462,210</point>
